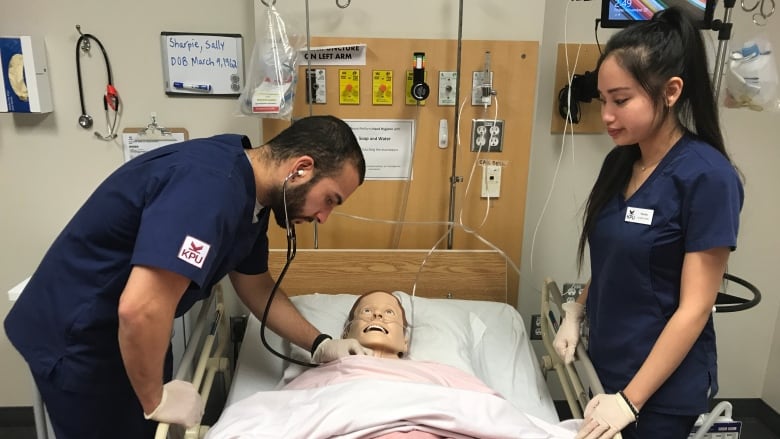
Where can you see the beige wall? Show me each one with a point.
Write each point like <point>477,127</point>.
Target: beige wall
<point>48,165</point>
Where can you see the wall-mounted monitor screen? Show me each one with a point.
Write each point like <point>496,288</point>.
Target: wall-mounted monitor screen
<point>621,13</point>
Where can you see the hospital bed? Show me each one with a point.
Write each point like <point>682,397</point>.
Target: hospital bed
<point>459,318</point>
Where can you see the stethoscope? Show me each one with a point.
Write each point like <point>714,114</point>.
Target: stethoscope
<point>110,98</point>
<point>291,249</point>
<point>762,14</point>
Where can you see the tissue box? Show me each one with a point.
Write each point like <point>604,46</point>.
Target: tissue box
<point>24,80</point>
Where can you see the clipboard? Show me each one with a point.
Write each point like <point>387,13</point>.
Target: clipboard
<point>136,141</point>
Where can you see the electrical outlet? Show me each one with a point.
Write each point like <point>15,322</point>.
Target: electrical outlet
<point>571,291</point>
<point>487,135</point>
<point>447,82</point>
<point>536,327</point>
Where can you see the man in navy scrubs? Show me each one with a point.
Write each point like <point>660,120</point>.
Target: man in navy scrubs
<point>95,319</point>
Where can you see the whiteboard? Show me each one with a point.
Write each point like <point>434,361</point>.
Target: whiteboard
<point>202,64</point>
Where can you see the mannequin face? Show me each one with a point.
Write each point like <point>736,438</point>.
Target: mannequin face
<point>378,322</point>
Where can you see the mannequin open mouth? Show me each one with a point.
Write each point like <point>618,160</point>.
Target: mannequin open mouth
<point>375,328</point>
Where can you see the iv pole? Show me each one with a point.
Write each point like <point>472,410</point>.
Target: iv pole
<point>454,178</point>
<point>341,5</point>
<point>724,34</point>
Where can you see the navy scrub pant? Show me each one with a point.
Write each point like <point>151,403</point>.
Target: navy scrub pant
<point>116,414</point>
<point>653,425</point>
<point>102,413</point>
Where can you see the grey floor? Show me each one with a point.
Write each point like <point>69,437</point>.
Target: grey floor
<point>753,428</point>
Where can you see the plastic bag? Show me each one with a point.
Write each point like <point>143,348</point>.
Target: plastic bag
<point>272,75</point>
<point>751,77</point>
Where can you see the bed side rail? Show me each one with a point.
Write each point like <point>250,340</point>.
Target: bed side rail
<point>204,357</point>
<point>573,377</point>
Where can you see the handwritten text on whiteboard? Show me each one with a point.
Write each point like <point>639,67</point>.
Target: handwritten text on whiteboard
<point>193,52</point>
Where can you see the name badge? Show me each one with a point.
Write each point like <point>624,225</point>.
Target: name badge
<point>639,216</point>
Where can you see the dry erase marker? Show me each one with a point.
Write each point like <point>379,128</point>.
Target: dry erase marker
<point>190,86</point>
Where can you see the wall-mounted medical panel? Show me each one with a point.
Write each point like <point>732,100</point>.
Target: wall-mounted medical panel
<point>412,212</point>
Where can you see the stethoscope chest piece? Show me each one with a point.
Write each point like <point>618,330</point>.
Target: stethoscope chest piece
<point>85,120</point>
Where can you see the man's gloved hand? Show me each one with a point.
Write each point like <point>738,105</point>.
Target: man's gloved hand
<point>605,416</point>
<point>180,404</point>
<point>330,350</point>
<point>568,334</point>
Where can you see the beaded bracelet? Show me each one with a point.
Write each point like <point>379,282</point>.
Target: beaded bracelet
<point>630,404</point>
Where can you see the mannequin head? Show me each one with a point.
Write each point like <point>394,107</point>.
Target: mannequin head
<point>377,320</point>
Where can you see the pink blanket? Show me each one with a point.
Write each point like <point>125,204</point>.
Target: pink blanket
<point>365,397</point>
<point>362,368</point>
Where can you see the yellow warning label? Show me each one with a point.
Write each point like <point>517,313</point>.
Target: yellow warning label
<point>349,86</point>
<point>382,87</point>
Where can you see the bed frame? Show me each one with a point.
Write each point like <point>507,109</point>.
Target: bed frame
<point>456,274</point>
<point>452,274</point>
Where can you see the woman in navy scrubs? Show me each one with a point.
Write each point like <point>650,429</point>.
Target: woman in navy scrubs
<point>660,223</point>
<point>95,319</point>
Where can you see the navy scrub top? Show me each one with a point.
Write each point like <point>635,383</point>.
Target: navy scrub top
<point>690,203</point>
<point>187,207</point>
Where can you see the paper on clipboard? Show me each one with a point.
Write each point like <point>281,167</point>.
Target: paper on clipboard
<point>136,141</point>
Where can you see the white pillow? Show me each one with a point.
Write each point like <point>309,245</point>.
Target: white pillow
<point>441,329</point>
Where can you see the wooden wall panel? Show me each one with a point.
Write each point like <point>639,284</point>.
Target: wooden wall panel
<point>514,66</point>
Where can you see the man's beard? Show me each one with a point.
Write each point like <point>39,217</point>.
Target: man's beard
<point>296,198</point>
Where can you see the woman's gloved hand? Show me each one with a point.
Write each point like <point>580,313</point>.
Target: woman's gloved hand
<point>605,416</point>
<point>568,334</point>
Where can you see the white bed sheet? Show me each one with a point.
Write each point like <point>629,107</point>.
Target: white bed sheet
<point>487,339</point>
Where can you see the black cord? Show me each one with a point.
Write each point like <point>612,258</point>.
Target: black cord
<point>85,38</point>
<point>290,257</point>
<point>742,304</point>
<point>265,317</point>
<point>596,33</point>
<point>568,107</point>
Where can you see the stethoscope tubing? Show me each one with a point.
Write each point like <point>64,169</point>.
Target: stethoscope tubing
<point>291,250</point>
<point>82,44</point>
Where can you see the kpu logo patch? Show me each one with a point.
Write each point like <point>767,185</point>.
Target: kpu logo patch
<point>194,251</point>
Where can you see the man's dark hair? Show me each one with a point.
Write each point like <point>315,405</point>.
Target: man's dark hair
<point>327,139</point>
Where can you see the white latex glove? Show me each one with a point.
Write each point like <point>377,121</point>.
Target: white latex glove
<point>605,416</point>
<point>180,404</point>
<point>568,334</point>
<point>330,350</point>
